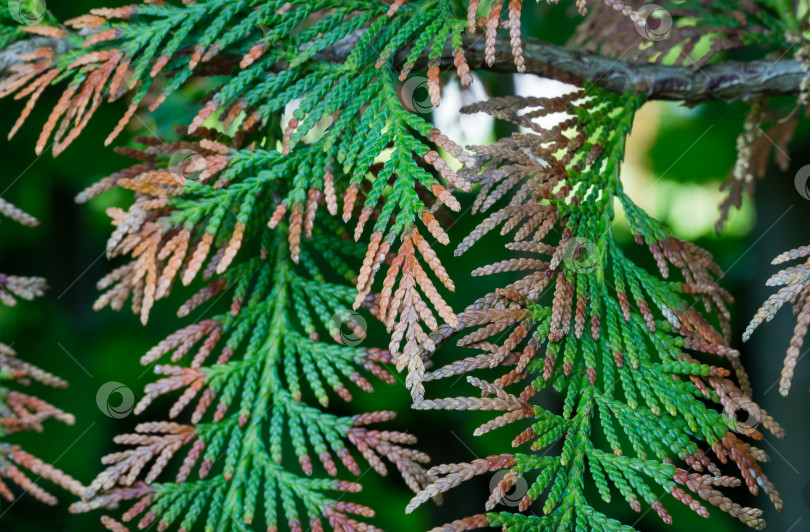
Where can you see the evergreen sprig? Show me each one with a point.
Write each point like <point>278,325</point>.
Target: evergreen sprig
<point>271,359</point>
<point>237,203</point>
<point>621,346</point>
<point>369,145</point>
<point>20,411</point>
<point>795,289</point>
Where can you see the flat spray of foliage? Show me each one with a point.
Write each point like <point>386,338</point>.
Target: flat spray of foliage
<point>20,411</point>
<point>296,221</point>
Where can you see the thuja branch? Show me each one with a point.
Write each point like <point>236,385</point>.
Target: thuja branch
<point>20,411</point>
<point>728,80</point>
<point>625,348</point>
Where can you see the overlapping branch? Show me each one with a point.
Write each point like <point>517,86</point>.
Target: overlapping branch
<point>727,80</point>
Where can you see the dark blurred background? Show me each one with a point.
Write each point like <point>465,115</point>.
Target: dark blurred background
<point>677,158</point>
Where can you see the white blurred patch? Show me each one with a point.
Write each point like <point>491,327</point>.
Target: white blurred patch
<point>464,129</point>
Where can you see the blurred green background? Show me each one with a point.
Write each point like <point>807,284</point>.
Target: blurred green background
<point>676,160</point>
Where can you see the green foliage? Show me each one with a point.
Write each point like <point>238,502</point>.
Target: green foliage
<point>16,15</point>
<point>635,396</point>
<point>348,117</point>
<point>277,312</point>
<point>349,130</point>
<point>314,105</point>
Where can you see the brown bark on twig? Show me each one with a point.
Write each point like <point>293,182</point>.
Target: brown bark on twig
<point>728,80</point>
